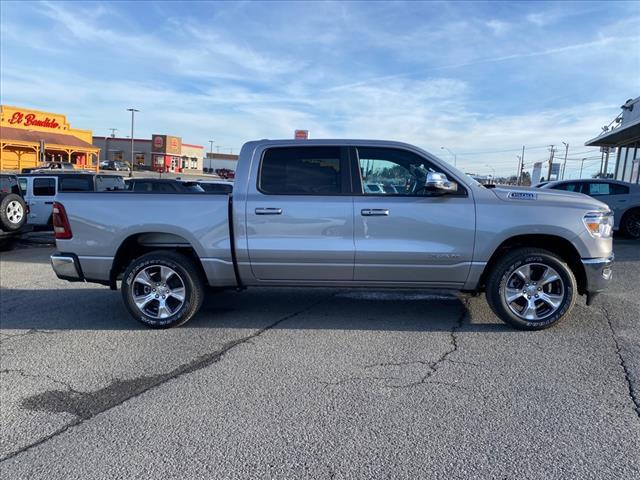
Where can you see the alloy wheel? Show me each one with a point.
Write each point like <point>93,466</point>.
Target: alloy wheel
<point>534,291</point>
<point>158,291</point>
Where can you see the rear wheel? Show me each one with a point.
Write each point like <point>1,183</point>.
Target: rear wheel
<point>13,212</point>
<point>531,288</point>
<point>630,223</point>
<point>162,289</point>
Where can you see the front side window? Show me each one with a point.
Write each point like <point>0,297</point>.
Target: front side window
<point>76,184</point>
<point>301,171</point>
<point>569,187</point>
<point>44,187</point>
<point>390,171</point>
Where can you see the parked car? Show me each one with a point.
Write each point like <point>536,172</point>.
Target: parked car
<point>225,173</point>
<point>622,198</point>
<point>58,166</point>
<point>115,165</point>
<point>161,185</point>
<point>216,186</point>
<point>41,189</point>
<point>13,208</point>
<point>299,216</point>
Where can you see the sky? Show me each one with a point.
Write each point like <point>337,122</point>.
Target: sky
<point>481,79</point>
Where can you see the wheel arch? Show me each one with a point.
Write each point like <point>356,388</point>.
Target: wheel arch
<point>560,246</point>
<point>141,243</point>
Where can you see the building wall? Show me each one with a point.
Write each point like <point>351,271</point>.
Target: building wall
<point>192,158</point>
<point>117,148</point>
<point>214,161</point>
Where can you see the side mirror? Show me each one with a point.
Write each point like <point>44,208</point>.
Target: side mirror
<point>439,183</point>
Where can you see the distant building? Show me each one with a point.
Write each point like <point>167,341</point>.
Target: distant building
<point>29,138</point>
<point>623,135</point>
<point>161,153</point>
<point>216,161</point>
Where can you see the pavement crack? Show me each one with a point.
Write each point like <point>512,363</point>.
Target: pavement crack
<point>86,405</point>
<point>623,364</point>
<point>31,331</point>
<point>433,366</point>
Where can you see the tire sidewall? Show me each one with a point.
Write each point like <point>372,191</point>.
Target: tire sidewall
<point>4,219</point>
<point>127,292</point>
<point>626,219</point>
<point>563,272</point>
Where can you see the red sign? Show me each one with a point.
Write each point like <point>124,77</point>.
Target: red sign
<point>30,120</point>
<point>158,141</point>
<point>301,135</point>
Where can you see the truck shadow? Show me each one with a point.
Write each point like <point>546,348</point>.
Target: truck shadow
<point>314,309</point>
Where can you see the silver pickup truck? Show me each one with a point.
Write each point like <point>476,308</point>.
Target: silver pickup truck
<point>300,216</point>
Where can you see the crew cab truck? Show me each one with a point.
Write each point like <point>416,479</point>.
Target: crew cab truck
<point>300,216</point>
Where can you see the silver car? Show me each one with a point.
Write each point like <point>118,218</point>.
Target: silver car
<point>622,198</point>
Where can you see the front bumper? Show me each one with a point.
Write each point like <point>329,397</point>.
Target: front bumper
<point>598,273</point>
<point>67,267</point>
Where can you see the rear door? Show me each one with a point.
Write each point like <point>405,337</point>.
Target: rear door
<point>299,215</point>
<point>43,193</point>
<point>616,196</point>
<point>403,234</point>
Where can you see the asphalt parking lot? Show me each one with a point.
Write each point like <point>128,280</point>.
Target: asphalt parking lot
<point>314,384</point>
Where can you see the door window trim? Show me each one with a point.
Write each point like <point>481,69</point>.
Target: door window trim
<point>345,173</point>
<point>358,184</point>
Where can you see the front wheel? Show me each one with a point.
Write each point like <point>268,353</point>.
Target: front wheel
<point>531,289</point>
<point>630,223</point>
<point>162,289</point>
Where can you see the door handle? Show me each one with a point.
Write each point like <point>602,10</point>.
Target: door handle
<point>268,211</point>
<point>48,203</point>
<point>374,212</point>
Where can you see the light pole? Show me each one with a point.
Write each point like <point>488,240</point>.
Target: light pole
<point>494,172</point>
<point>133,112</point>
<point>455,157</point>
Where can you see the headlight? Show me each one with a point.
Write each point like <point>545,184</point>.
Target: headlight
<point>599,224</point>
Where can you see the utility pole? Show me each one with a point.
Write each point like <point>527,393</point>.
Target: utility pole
<point>606,161</point>
<point>113,132</point>
<point>521,167</point>
<point>581,165</point>
<point>133,111</point>
<point>518,169</point>
<point>553,151</point>
<point>601,162</point>
<point>566,152</point>
<point>211,144</point>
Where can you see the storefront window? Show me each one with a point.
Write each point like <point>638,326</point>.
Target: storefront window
<point>139,158</point>
<point>117,156</point>
<point>194,162</point>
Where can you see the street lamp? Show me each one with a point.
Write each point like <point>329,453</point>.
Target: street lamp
<point>455,157</point>
<point>494,171</point>
<point>133,112</point>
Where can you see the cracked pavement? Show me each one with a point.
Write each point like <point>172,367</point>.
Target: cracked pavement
<point>314,384</point>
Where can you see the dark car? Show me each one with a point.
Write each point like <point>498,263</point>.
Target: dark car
<point>13,208</point>
<point>156,185</point>
<point>115,165</point>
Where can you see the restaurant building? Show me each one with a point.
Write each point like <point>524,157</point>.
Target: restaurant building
<point>623,135</point>
<point>29,138</point>
<point>161,153</point>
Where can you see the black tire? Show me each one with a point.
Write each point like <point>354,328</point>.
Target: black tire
<point>186,271</point>
<point>502,272</point>
<point>630,223</point>
<point>13,212</point>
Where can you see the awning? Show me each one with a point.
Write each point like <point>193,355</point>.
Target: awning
<point>18,135</point>
<point>617,137</point>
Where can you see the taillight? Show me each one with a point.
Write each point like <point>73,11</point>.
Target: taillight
<point>61,226</point>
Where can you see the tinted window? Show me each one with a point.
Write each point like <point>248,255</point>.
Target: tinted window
<point>569,187</point>
<point>390,171</point>
<point>23,185</point>
<point>602,188</point>
<point>44,187</point>
<point>301,171</point>
<point>9,185</point>
<point>141,187</point>
<point>192,187</point>
<point>75,184</point>
<point>164,187</point>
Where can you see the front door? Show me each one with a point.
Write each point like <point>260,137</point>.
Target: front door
<point>299,216</point>
<point>43,193</point>
<point>402,233</point>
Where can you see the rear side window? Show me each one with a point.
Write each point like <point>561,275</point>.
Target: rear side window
<point>301,171</point>
<point>164,188</point>
<point>44,187</point>
<point>602,188</point>
<point>9,185</point>
<point>75,184</point>
<point>217,187</point>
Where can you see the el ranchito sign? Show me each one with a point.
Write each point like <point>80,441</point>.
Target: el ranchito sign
<point>32,120</point>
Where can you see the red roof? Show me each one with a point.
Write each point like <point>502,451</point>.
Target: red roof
<point>20,135</point>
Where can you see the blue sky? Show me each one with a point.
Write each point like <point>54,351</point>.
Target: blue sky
<point>479,78</point>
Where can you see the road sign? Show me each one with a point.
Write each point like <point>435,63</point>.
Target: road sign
<point>301,135</point>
